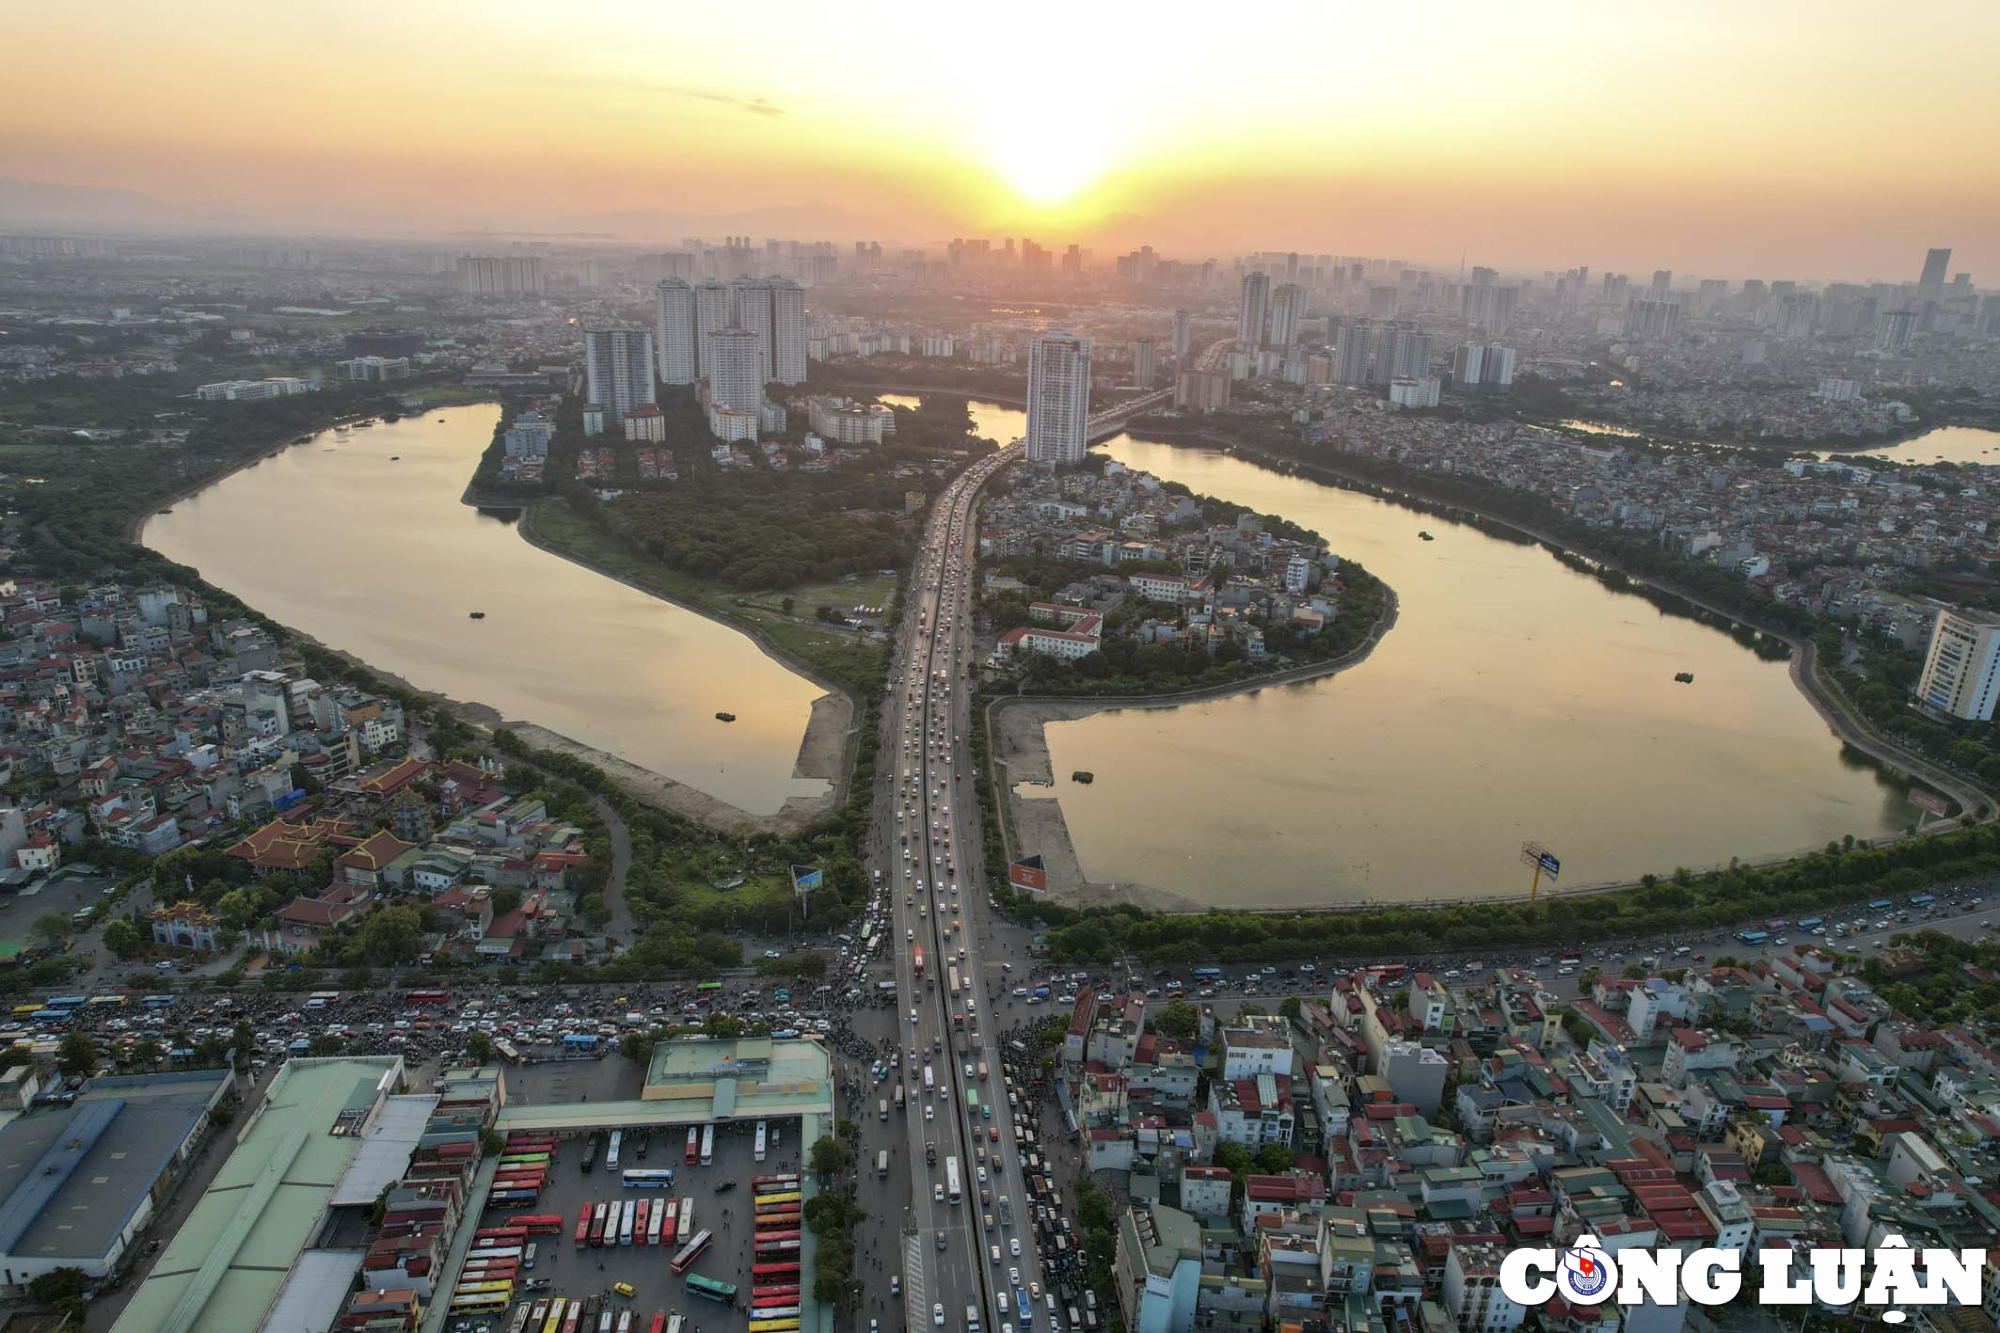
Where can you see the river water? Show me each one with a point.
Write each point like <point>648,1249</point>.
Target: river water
<point>1940,444</point>
<point>380,559</point>
<point>1515,699</point>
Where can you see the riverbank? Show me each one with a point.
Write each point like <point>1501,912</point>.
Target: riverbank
<point>1017,743</point>
<point>828,751</point>
<point>1833,710</point>
<point>821,756</point>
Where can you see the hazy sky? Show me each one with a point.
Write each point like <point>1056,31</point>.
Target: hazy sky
<point>1782,138</point>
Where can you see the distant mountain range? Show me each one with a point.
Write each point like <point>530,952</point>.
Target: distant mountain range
<point>96,205</point>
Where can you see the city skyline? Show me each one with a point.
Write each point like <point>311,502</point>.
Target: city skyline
<point>1661,144</point>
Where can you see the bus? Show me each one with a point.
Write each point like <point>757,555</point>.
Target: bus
<point>485,1302</point>
<point>722,1293</point>
<point>583,1227</point>
<point>788,1325</point>
<point>684,1258</point>
<point>625,1219</point>
<point>675,1323</point>
<point>763,1132</point>
<point>65,1003</point>
<point>771,1272</point>
<point>657,1222</point>
<point>509,1157</point>
<point>1879,905</point>
<point>598,1215</point>
<point>554,1321</point>
<point>514,1198</point>
<point>782,1221</point>
<point>541,1224</point>
<point>772,1184</point>
<point>882,1164</point>
<point>658,1178</point>
<point>768,1248</point>
<point>659,1324</point>
<point>505,1050</point>
<point>952,1188</point>
<point>512,1234</point>
<point>466,1288</point>
<point>422,997</point>
<point>785,1195</point>
<point>784,1307</point>
<point>899,1095</point>
<point>526,1312</point>
<point>1752,937</point>
<point>951,977</point>
<point>1207,974</point>
<point>918,955</point>
<point>694,1145</point>
<point>707,1145</point>
<point>1916,900</point>
<point>684,1223</point>
<point>611,1150</point>
<point>573,1321</point>
<point>1022,1308</point>
<point>120,1001</point>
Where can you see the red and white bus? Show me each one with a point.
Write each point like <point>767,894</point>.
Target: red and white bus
<point>686,1256</point>
<point>427,997</point>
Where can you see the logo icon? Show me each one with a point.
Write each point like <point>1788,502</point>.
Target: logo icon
<point>1587,1274</point>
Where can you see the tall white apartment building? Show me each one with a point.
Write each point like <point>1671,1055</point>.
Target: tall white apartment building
<point>735,374</point>
<point>752,301</point>
<point>674,338</point>
<point>1288,308</point>
<point>618,366</point>
<point>1058,398</point>
<point>714,310</point>
<point>1962,669</point>
<point>1253,313</point>
<point>788,333</point>
<point>1183,333</point>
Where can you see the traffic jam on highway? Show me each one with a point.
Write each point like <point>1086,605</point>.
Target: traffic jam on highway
<point>978,1149</point>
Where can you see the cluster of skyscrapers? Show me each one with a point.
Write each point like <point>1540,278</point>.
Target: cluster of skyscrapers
<point>499,275</point>
<point>1266,316</point>
<point>695,336</point>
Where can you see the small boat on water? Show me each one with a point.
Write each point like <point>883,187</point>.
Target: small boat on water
<point>1684,677</point>
<point>164,511</point>
<point>340,430</point>
<point>1084,776</point>
<point>395,458</point>
<point>476,615</point>
<point>363,425</point>
<point>1425,536</point>
<point>725,717</point>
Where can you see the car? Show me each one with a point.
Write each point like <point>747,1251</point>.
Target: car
<point>895,1284</point>
<point>774,953</point>
<point>937,1194</point>
<point>982,1175</point>
<point>1014,1246</point>
<point>940,1240</point>
<point>930,1112</point>
<point>1014,1276</point>
<point>622,1288</point>
<point>937,1315</point>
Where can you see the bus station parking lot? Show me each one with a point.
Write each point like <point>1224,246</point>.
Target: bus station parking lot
<point>582,1272</point>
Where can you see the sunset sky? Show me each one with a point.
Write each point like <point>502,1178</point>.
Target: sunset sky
<point>1782,138</point>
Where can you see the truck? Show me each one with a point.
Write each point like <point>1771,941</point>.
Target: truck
<point>882,1163</point>
<point>1006,1212</point>
<point>971,1318</point>
<point>885,1108</point>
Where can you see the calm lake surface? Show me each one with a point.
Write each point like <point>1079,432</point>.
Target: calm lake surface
<point>1940,444</point>
<point>1515,699</point>
<point>380,559</point>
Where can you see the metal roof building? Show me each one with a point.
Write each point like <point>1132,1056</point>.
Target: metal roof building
<point>78,1181</point>
<point>270,1202</point>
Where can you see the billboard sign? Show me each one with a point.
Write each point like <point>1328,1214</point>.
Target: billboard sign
<point>1027,873</point>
